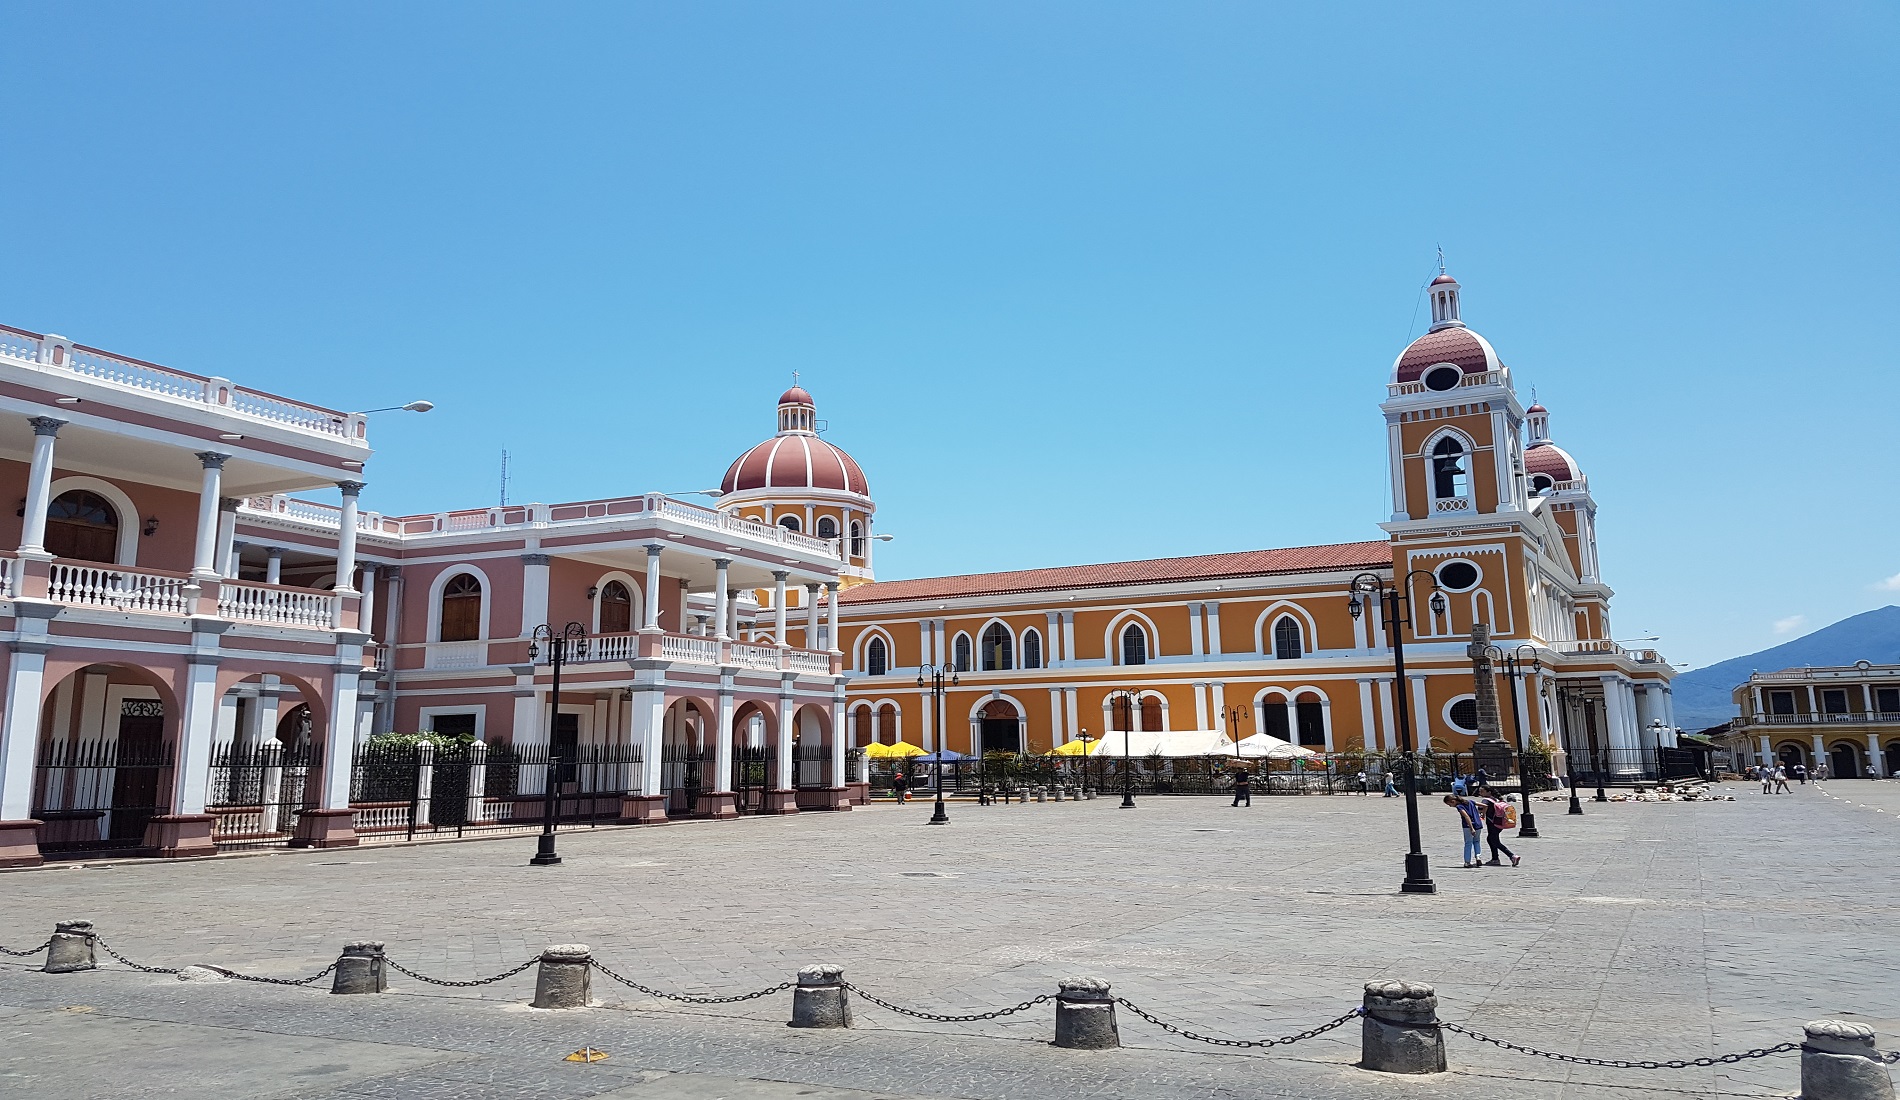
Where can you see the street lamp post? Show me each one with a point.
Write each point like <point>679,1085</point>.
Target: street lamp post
<point>544,855</point>
<point>936,674</point>
<point>1570,754</point>
<point>1527,826</point>
<point>1397,600</point>
<point>1085,761</point>
<point>1130,700</point>
<point>1234,714</point>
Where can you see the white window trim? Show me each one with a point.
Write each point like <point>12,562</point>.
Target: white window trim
<point>441,582</point>
<point>126,552</point>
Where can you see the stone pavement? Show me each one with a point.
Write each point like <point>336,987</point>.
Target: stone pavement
<point>1637,931</point>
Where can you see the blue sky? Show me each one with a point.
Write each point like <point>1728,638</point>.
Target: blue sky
<point>1074,282</point>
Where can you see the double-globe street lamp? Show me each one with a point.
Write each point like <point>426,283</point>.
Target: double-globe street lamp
<point>1397,602</point>
<point>1510,662</point>
<point>936,675</point>
<point>557,656</point>
<point>1130,700</point>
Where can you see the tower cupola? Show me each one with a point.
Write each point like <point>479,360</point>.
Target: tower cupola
<point>796,413</point>
<point>1444,291</point>
<point>1537,419</point>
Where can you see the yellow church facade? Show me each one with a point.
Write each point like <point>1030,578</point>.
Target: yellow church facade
<point>1492,523</point>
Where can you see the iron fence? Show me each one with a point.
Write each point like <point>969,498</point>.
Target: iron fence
<point>405,789</point>
<point>99,795</point>
<point>256,792</point>
<point>686,773</point>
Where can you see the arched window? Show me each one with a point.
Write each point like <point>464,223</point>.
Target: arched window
<point>1286,639</point>
<point>857,539</point>
<point>83,526</point>
<point>862,731</point>
<point>887,724</point>
<point>1273,718</point>
<point>877,658</point>
<point>998,649</point>
<point>1151,715</point>
<point>1541,483</point>
<point>1032,649</point>
<point>1309,720</point>
<point>1448,469</point>
<point>962,653</point>
<point>827,527</point>
<point>616,608</point>
<point>790,523</point>
<point>1134,645</point>
<point>462,609</point>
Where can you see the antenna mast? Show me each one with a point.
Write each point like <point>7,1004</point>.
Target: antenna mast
<point>504,477</point>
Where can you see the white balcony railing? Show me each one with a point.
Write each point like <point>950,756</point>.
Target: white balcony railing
<point>1451,504</point>
<point>612,647</point>
<point>270,603</point>
<point>687,649</point>
<point>456,655</point>
<point>805,660</point>
<point>1478,378</point>
<point>759,657</point>
<point>56,353</point>
<point>118,589</point>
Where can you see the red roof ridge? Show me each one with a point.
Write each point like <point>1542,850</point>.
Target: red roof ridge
<point>1293,559</point>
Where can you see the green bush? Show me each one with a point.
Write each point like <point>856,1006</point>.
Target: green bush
<point>411,740</point>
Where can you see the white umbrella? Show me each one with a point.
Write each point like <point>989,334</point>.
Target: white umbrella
<point>1265,746</point>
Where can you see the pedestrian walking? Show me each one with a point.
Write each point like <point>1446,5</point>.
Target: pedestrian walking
<point>1767,779</point>
<point>900,784</point>
<point>1820,771</point>
<point>1469,821</point>
<point>1390,790</point>
<point>1362,782</point>
<point>1781,781</point>
<point>1243,793</point>
<point>1496,818</point>
<point>1801,774</point>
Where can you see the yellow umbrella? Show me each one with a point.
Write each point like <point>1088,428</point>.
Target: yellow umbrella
<point>1079,748</point>
<point>900,751</point>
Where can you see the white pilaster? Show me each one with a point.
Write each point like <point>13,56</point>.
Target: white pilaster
<point>1068,637</point>
<point>831,599</point>
<point>1368,734</point>
<point>1055,720</point>
<point>1200,706</point>
<point>366,617</point>
<point>722,746</point>
<point>929,741</point>
<point>1074,715</point>
<point>649,729</point>
<point>339,747</point>
<point>19,735</point>
<point>1195,630</point>
<point>1421,717</point>
<point>811,616</point>
<point>787,717</point>
<point>1054,658</point>
<point>1386,721</point>
<point>1220,711</point>
<point>191,771</point>
<point>778,606</point>
<point>1213,630</point>
<point>534,593</point>
<point>837,729</point>
<point>927,655</point>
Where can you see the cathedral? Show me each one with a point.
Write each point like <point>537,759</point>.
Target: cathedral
<point>1493,523</point>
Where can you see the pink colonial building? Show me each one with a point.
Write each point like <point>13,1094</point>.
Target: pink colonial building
<point>195,654</point>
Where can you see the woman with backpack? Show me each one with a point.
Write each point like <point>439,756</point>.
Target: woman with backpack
<point>1496,819</point>
<point>1470,820</point>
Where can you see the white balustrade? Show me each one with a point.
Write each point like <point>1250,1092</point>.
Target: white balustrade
<point>457,655</point>
<point>380,817</point>
<point>806,660</point>
<point>762,657</point>
<point>687,649</point>
<point>610,647</point>
<point>270,603</point>
<point>1452,504</point>
<point>178,385</point>
<point>119,589</point>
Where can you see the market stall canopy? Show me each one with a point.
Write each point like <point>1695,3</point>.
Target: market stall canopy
<point>1092,747</point>
<point>899,751</point>
<point>1268,747</point>
<point>1174,744</point>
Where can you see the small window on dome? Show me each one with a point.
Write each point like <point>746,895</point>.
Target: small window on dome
<point>1443,377</point>
<point>790,523</point>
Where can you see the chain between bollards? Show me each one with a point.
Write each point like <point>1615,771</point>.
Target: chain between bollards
<point>1284,1040</point>
<point>24,954</point>
<point>688,998</point>
<point>946,1019</point>
<point>400,968</point>
<point>1621,1063</point>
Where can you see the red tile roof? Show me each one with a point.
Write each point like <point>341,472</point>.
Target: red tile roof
<point>1246,563</point>
<point>1458,346</point>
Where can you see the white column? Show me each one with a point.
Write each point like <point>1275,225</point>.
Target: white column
<point>1055,719</point>
<point>227,537</point>
<point>1220,711</point>
<point>1056,658</point>
<point>274,565</point>
<point>205,555</point>
<point>1068,637</point>
<point>1386,721</point>
<point>346,537</point>
<point>39,497</point>
<point>1200,707</point>
<point>1075,717</point>
<point>1526,714</point>
<point>1359,629</point>
<point>926,655</point>
<point>1617,717</point>
<point>837,730</point>
<point>1876,763</point>
<point>191,771</point>
<point>19,735</point>
<point>937,642</point>
<point>811,616</point>
<point>366,617</point>
<point>1421,718</point>
<point>929,740</point>
<point>534,593</point>
<point>1194,630</point>
<point>649,730</point>
<point>831,599</point>
<point>1766,750</point>
<point>1368,735</point>
<point>1820,750</point>
<point>339,748</point>
<point>787,716</point>
<point>778,606</point>
<point>720,599</point>
<point>732,613</point>
<point>722,745</point>
<point>1213,630</point>
<point>652,596</point>
<point>269,696</point>
<point>228,716</point>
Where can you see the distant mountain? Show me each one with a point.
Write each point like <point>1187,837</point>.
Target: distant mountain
<point>1702,696</point>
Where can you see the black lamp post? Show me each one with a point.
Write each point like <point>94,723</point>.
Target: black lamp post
<point>1527,825</point>
<point>936,675</point>
<point>544,855</point>
<point>1234,713</point>
<point>1596,745</point>
<point>1085,761</point>
<point>1398,615</point>
<point>1130,700</point>
<point>1570,754</point>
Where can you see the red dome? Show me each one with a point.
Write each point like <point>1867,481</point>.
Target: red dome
<point>1551,461</point>
<point>795,396</point>
<point>1443,279</point>
<point>1534,409</point>
<point>795,461</point>
<point>1457,345</point>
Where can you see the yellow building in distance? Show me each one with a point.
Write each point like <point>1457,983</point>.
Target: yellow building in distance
<point>1488,510</point>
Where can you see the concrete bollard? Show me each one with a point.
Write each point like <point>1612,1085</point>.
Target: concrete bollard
<point>562,980</point>
<point>72,948</point>
<point>1839,1061</point>
<point>1022,797</point>
<point>1042,794</point>
<point>1089,793</point>
<point>360,969</point>
<point>1085,1015</point>
<point>821,1000</point>
<point>1399,1032</point>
